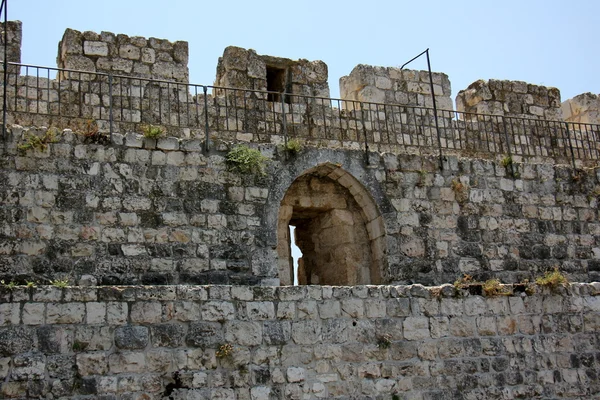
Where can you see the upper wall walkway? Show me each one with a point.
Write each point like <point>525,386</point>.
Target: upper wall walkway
<point>74,99</point>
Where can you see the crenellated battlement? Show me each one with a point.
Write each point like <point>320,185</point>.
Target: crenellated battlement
<point>123,83</point>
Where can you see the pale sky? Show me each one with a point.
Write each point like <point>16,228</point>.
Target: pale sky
<point>550,42</point>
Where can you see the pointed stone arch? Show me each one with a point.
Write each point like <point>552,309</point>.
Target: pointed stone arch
<point>338,228</point>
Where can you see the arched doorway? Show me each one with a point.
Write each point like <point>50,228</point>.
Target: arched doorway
<point>338,228</point>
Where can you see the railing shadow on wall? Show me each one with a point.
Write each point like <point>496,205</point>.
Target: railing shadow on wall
<point>67,98</point>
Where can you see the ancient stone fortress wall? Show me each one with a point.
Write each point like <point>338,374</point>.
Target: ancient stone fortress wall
<point>145,211</point>
<point>304,342</point>
<point>370,205</point>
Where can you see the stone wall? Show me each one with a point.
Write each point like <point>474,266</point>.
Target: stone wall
<point>305,342</point>
<point>245,69</point>
<point>389,85</point>
<point>14,33</point>
<point>141,211</point>
<point>510,98</point>
<point>584,108</point>
<point>123,55</point>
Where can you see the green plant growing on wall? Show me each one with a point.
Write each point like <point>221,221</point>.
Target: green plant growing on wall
<point>152,131</point>
<point>246,160</point>
<point>422,178</point>
<point>10,285</point>
<point>225,350</point>
<point>60,283</point>
<point>493,287</point>
<point>463,282</point>
<point>32,141</point>
<point>507,161</point>
<point>552,279</point>
<point>384,341</point>
<point>294,146</point>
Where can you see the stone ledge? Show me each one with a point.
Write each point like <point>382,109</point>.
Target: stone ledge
<point>52,294</point>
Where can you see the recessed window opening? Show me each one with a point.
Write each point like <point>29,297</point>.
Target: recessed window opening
<point>276,82</point>
<point>296,253</point>
<point>338,232</point>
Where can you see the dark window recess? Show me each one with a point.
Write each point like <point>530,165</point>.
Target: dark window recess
<point>276,82</point>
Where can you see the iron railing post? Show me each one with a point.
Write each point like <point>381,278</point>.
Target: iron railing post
<point>437,127</point>
<point>364,128</point>
<point>507,139</point>
<point>110,106</point>
<point>206,145</point>
<point>4,7</point>
<point>570,146</point>
<point>283,120</point>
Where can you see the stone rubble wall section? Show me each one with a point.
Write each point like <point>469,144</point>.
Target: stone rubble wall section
<point>510,98</point>
<point>389,85</point>
<point>584,108</point>
<point>123,55</point>
<point>159,212</point>
<point>307,342</point>
<point>14,33</point>
<point>245,69</point>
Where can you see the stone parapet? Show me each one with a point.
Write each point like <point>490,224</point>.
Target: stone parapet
<point>310,342</point>
<point>14,33</point>
<point>584,108</point>
<point>123,55</point>
<point>510,98</point>
<point>239,68</point>
<point>388,85</point>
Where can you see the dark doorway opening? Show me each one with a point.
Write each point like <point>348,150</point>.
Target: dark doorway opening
<point>276,82</point>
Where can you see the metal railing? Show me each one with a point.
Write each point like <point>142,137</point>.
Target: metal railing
<point>69,98</point>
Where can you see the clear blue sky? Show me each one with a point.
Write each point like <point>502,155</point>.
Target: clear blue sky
<point>551,42</point>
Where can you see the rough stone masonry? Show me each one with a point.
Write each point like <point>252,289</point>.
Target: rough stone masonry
<point>217,319</point>
<point>298,342</point>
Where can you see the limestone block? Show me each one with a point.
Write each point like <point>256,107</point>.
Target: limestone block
<point>134,140</point>
<point>95,312</point>
<point>203,334</point>
<point>260,393</point>
<point>71,313</point>
<point>353,308</point>
<point>126,362</point>
<point>416,328</point>
<point>9,314</point>
<point>306,332</point>
<point>218,311</point>
<point>146,312</point>
<point>295,374</point>
<point>28,367</point>
<point>33,313</point>
<point>130,52</point>
<point>260,310</point>
<point>95,48</point>
<point>244,333</point>
<point>92,364</point>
